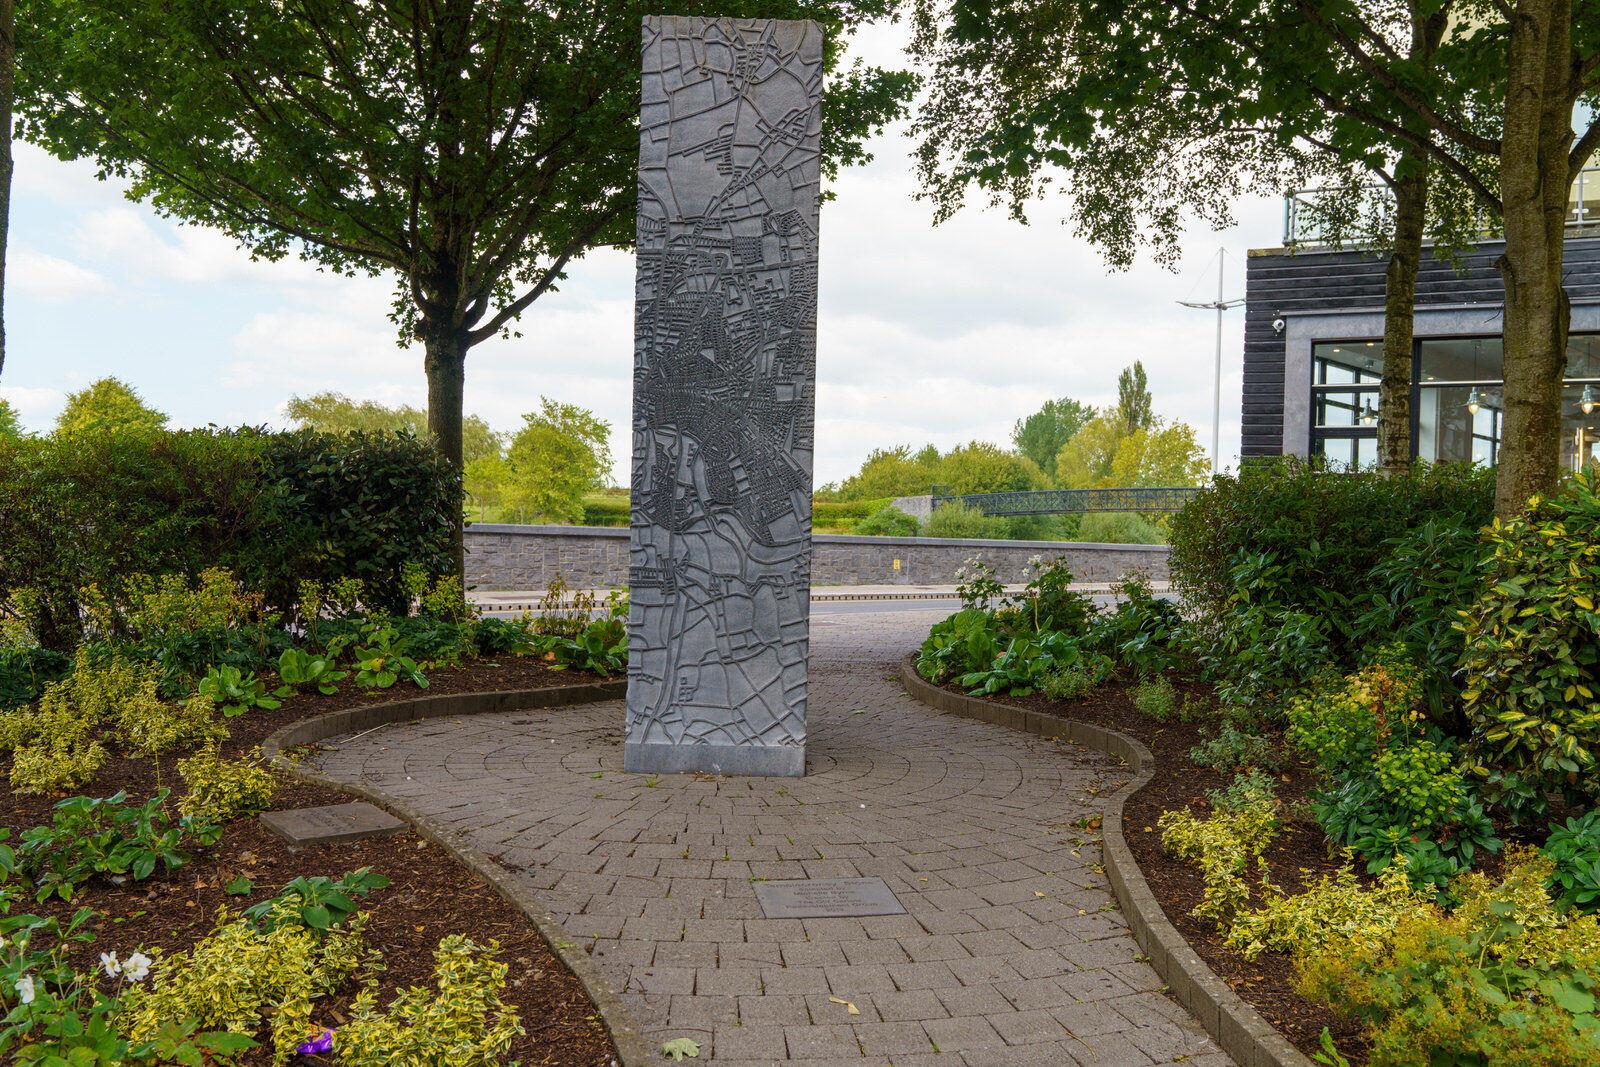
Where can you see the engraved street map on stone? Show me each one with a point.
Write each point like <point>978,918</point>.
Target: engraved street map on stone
<point>724,384</point>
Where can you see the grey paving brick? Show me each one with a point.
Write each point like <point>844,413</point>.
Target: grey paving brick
<point>961,819</point>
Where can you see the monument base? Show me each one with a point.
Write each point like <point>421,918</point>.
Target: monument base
<point>771,761</point>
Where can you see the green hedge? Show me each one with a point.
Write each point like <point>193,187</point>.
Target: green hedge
<point>274,508</point>
<point>844,513</point>
<point>607,511</point>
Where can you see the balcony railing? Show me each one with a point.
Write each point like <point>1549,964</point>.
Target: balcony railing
<point>1305,221</point>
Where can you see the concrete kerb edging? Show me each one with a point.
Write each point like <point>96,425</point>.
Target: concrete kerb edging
<point>632,1048</point>
<point>1232,1023</point>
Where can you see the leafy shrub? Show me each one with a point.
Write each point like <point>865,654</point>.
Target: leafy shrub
<point>1425,579</point>
<point>93,511</point>
<point>1071,681</point>
<point>1502,979</point>
<point>1049,602</point>
<point>1532,657</point>
<point>167,727</point>
<point>238,975</point>
<point>1027,659</point>
<point>383,660</point>
<point>298,669</point>
<point>1233,750</point>
<point>55,748</point>
<point>493,636</point>
<point>1336,908</point>
<point>318,902</point>
<point>962,521</point>
<point>236,692</point>
<point>964,642</point>
<point>1156,698</point>
<point>1345,722</point>
<point>1324,535</point>
<point>222,790</point>
<point>888,521</point>
<point>1141,630</point>
<point>463,1022</point>
<point>1119,528</point>
<point>109,837</point>
<point>1259,651</point>
<point>24,673</point>
<point>1223,846</point>
<point>1574,852</point>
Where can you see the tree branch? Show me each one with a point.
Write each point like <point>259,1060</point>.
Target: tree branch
<point>578,244</point>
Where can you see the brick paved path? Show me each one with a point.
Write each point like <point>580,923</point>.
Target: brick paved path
<point>1012,951</point>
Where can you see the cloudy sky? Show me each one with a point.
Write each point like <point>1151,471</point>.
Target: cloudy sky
<point>943,334</point>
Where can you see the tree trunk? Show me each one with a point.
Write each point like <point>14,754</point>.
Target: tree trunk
<point>444,358</point>
<point>1534,184</point>
<point>1399,309</point>
<point>8,81</point>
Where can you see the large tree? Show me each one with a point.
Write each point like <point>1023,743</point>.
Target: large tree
<point>1041,435</point>
<point>107,406</point>
<point>470,148</point>
<point>1162,110</point>
<point>333,412</point>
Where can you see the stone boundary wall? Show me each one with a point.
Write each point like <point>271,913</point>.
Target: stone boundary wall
<point>503,557</point>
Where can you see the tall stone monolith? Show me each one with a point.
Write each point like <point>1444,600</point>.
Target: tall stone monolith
<point>724,386</point>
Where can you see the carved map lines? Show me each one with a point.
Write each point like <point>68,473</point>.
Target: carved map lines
<point>724,392</point>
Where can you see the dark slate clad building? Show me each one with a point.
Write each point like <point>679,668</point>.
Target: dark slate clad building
<point>1313,350</point>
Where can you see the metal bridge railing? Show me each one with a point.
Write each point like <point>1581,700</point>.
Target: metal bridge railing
<point>1070,501</point>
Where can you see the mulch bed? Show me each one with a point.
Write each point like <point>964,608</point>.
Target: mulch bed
<point>1296,853</point>
<point>429,895</point>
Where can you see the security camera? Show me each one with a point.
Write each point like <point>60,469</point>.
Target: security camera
<point>1277,324</point>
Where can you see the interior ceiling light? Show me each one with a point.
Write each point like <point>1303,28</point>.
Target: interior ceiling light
<point>1474,401</point>
<point>1369,414</point>
<point>1586,401</point>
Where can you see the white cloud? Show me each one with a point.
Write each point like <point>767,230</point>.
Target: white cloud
<point>36,408</point>
<point>48,279</point>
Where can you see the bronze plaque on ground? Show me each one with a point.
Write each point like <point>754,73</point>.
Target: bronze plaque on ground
<point>334,823</point>
<point>826,898</point>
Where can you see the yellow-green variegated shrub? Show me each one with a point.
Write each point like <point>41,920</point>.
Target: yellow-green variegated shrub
<point>464,1023</point>
<point>238,977</point>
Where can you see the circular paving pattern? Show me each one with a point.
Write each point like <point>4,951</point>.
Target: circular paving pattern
<point>1011,950</point>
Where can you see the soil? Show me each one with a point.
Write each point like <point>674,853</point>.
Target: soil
<point>428,896</point>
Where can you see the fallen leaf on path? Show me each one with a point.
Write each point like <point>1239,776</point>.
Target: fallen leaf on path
<point>849,1007</point>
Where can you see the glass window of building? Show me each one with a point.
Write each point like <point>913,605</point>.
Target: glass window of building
<point>1457,400</point>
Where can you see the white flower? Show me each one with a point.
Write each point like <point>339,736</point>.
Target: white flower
<point>24,988</point>
<point>136,966</point>
<point>112,965</point>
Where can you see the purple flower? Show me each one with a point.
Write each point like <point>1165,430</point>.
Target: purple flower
<point>323,1042</point>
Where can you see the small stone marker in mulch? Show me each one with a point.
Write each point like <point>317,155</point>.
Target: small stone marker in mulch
<point>827,898</point>
<point>331,824</point>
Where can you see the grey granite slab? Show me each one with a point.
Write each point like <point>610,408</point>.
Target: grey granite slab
<point>827,898</point>
<point>334,823</point>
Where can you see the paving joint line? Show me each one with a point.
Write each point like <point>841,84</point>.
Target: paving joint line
<point>1232,1022</point>
<point>626,1035</point>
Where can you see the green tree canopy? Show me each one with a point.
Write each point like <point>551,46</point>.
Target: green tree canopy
<point>107,406</point>
<point>1133,398</point>
<point>982,467</point>
<point>892,472</point>
<point>1041,435</point>
<point>1105,455</point>
<point>1159,111</point>
<point>10,424</point>
<point>469,148</point>
<point>336,413</point>
<point>561,453</point>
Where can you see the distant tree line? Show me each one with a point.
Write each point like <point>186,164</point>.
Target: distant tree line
<point>540,472</point>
